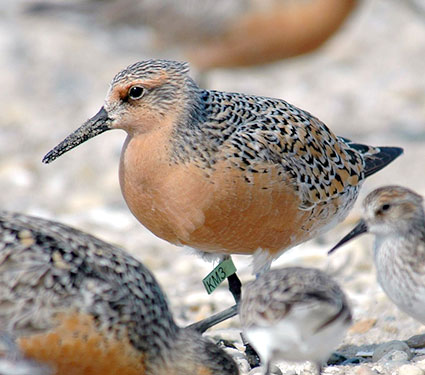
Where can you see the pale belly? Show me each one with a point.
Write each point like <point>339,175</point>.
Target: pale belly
<point>404,287</point>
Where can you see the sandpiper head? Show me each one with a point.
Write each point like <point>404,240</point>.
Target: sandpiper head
<point>145,95</point>
<point>392,209</point>
<point>387,211</point>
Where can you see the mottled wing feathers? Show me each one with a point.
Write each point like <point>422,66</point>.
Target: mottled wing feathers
<point>379,160</point>
<point>272,296</point>
<point>48,268</point>
<point>375,158</point>
<point>258,134</point>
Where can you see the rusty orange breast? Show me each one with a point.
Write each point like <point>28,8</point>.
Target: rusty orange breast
<point>76,347</point>
<point>215,212</point>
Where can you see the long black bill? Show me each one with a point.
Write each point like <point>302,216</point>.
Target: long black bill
<point>98,124</point>
<point>359,229</point>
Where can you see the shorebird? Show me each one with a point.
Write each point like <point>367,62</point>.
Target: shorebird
<point>222,172</point>
<point>82,306</point>
<point>395,216</point>
<point>294,314</point>
<point>265,33</point>
<point>222,33</point>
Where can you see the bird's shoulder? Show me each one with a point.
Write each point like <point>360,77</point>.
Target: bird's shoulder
<point>260,134</point>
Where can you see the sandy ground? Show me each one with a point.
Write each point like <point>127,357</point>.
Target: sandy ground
<point>367,84</point>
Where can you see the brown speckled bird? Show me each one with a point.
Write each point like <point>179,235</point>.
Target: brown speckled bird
<point>82,306</point>
<point>225,172</point>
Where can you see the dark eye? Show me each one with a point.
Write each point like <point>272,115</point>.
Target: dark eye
<point>385,207</point>
<point>136,92</point>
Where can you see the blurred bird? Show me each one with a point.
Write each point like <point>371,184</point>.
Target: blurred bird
<point>82,306</point>
<point>294,314</point>
<point>226,33</point>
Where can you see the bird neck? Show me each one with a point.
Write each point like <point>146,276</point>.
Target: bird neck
<point>192,113</point>
<point>407,241</point>
<point>192,139</point>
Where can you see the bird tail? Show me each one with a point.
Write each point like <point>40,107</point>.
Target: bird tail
<point>375,158</point>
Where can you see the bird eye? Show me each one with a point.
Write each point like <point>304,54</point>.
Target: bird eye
<point>136,92</point>
<point>385,207</point>
<point>380,211</point>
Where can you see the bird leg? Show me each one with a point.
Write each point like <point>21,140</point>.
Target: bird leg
<point>251,355</point>
<point>212,320</point>
<point>319,368</point>
<point>235,287</point>
<point>269,368</point>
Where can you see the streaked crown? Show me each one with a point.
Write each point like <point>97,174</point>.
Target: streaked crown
<point>393,209</point>
<point>150,69</point>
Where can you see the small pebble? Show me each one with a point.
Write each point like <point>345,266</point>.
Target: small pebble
<point>410,370</point>
<point>309,369</point>
<point>274,371</point>
<point>396,356</point>
<point>364,370</point>
<point>256,371</point>
<point>419,360</point>
<point>392,351</point>
<point>362,326</point>
<point>390,328</point>
<point>416,342</point>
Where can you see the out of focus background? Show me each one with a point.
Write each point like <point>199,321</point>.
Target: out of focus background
<point>357,65</point>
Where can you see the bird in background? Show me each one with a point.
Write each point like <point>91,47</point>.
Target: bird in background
<point>221,33</point>
<point>395,216</point>
<point>226,173</point>
<point>294,314</point>
<point>81,306</point>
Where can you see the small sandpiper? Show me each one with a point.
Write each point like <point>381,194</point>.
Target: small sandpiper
<point>294,314</point>
<point>396,217</point>
<point>82,306</point>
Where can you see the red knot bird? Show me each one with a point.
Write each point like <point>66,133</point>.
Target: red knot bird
<point>395,216</point>
<point>270,32</point>
<point>294,314</point>
<point>226,173</point>
<point>223,33</point>
<point>82,306</point>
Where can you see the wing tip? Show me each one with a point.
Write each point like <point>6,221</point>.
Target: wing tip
<point>381,159</point>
